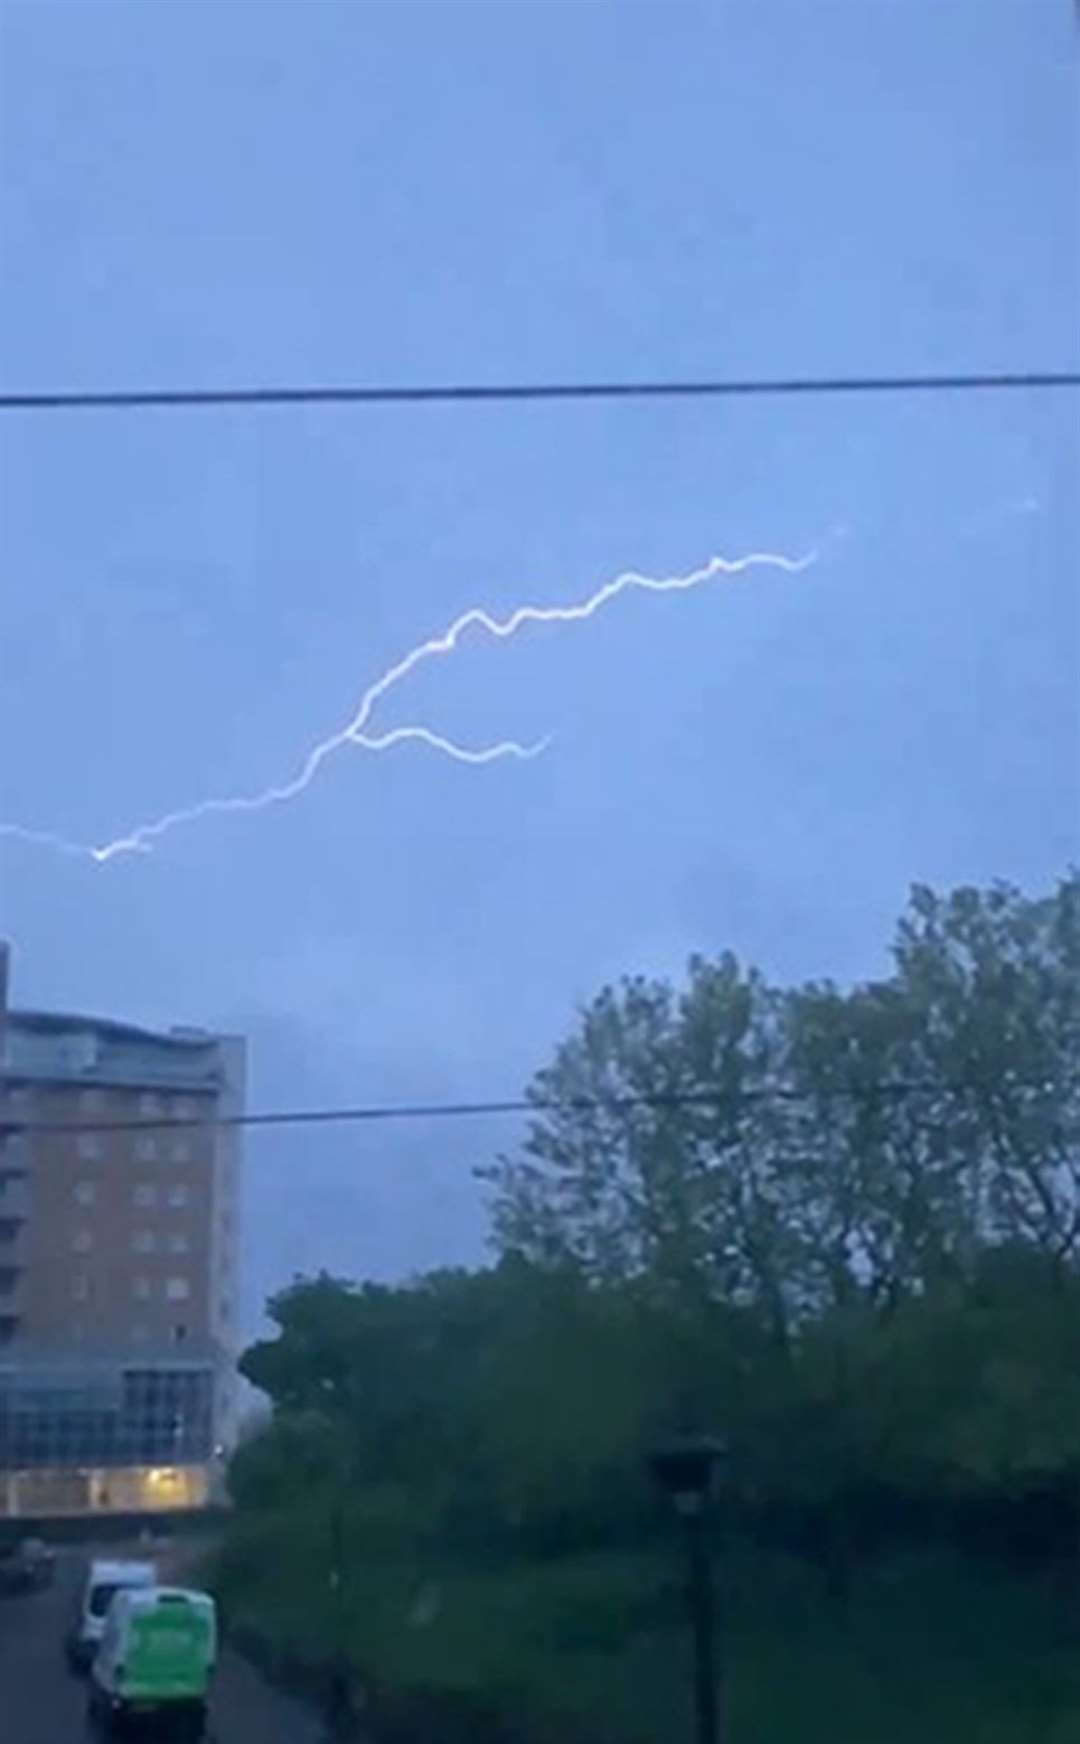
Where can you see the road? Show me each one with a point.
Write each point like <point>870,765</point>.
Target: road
<point>42,1703</point>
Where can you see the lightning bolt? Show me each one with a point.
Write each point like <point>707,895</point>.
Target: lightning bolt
<point>142,839</point>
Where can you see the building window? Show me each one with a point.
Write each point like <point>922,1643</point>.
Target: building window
<point>85,1192</point>
<point>181,1150</point>
<point>183,1108</point>
<point>90,1147</point>
<point>80,1287</point>
<point>179,1334</point>
<point>82,1241</point>
<point>149,1104</point>
<point>146,1147</point>
<point>80,1051</point>
<point>178,1244</point>
<point>140,1289</point>
<point>145,1194</point>
<point>144,1241</point>
<point>178,1289</point>
<point>178,1196</point>
<point>20,1096</point>
<point>139,1331</point>
<point>91,1101</point>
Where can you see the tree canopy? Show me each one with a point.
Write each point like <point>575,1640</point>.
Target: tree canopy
<point>840,1226</point>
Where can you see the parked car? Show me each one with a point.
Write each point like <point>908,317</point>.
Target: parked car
<point>103,1581</point>
<point>27,1567</point>
<point>155,1662</point>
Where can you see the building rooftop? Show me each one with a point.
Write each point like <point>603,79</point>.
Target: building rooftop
<point>61,1022</point>
<point>71,1047</point>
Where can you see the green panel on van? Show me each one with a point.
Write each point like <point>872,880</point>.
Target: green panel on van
<point>169,1651</point>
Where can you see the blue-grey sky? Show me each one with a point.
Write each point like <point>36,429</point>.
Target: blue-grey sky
<point>247,193</point>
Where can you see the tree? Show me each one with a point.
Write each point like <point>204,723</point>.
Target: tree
<point>995,977</point>
<point>797,1150</point>
<point>876,1145</point>
<point>508,1399</point>
<point>656,1151</point>
<point>840,1226</point>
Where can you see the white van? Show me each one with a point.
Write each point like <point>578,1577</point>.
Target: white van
<point>103,1581</point>
<point>155,1662</point>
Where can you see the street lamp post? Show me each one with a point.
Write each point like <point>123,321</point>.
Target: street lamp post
<point>684,1471</point>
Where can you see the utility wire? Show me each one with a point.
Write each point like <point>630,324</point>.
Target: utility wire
<point>177,399</point>
<point>385,1112</point>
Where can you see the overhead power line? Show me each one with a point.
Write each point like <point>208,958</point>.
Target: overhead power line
<point>408,1111</point>
<point>191,399</point>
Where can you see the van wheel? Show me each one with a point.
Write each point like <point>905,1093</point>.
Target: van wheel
<point>99,1716</point>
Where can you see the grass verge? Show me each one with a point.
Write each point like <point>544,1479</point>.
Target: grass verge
<point>593,1649</point>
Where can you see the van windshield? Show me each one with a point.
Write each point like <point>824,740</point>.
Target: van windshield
<point>102,1597</point>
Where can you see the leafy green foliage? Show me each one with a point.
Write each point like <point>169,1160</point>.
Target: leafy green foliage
<point>844,1232</point>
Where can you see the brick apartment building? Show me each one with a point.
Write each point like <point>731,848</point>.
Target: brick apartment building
<point>118,1253</point>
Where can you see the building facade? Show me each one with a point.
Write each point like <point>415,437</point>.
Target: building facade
<point>119,1205</point>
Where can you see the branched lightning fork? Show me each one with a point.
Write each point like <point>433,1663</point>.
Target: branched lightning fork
<point>142,839</point>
